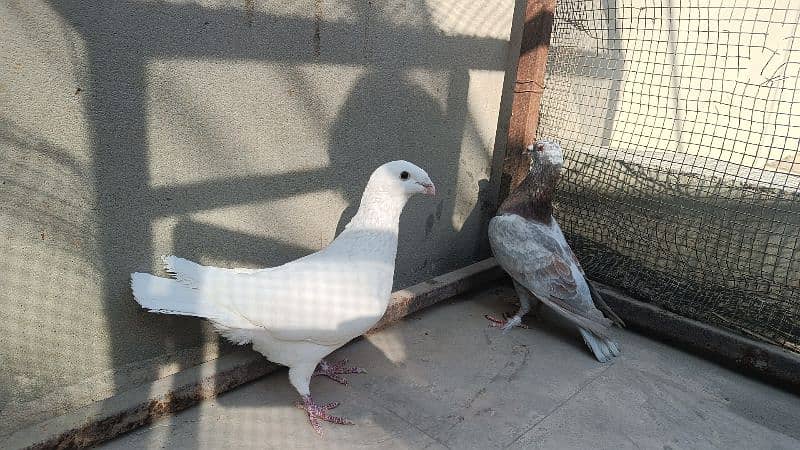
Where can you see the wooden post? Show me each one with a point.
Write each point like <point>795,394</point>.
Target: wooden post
<point>528,90</point>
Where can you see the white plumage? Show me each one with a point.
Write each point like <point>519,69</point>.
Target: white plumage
<point>298,313</point>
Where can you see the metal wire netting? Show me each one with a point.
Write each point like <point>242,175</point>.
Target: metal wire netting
<point>683,172</point>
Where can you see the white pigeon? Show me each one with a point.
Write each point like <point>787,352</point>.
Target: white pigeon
<point>528,244</point>
<point>298,313</point>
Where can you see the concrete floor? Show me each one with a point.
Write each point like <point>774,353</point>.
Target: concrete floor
<point>442,379</point>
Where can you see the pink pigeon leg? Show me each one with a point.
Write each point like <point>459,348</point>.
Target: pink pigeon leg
<point>507,322</point>
<point>525,301</point>
<point>318,413</point>
<point>515,318</point>
<point>333,370</point>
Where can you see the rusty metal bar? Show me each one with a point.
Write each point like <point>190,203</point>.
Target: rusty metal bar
<point>528,89</point>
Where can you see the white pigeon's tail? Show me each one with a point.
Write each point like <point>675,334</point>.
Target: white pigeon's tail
<point>187,272</point>
<point>193,275</point>
<point>603,348</point>
<point>167,296</point>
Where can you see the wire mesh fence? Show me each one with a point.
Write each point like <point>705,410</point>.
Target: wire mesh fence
<point>683,171</point>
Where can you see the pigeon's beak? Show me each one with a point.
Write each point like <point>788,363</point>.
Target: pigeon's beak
<point>528,151</point>
<point>430,189</point>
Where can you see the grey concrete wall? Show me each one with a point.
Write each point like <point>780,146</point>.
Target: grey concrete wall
<point>231,133</point>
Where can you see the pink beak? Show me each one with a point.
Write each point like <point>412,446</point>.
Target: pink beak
<point>430,189</point>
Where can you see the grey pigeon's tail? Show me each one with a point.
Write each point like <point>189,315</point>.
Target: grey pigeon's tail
<point>603,348</point>
<point>601,304</point>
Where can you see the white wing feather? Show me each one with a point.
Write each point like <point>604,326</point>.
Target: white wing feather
<point>317,298</point>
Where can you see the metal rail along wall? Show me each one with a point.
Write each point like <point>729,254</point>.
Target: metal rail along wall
<point>679,120</point>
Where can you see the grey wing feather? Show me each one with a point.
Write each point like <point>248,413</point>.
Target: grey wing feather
<point>599,302</point>
<point>536,260</point>
<point>603,306</point>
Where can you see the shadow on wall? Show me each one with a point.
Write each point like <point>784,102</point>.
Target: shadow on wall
<point>385,116</point>
<point>376,124</point>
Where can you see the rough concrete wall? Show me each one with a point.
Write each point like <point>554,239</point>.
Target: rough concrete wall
<point>231,133</point>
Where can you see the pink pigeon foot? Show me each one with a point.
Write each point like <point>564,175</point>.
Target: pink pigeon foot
<point>318,413</point>
<point>333,370</point>
<point>507,323</point>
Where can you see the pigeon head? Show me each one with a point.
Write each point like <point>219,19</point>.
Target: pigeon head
<point>545,154</point>
<point>533,198</point>
<point>389,188</point>
<point>402,178</point>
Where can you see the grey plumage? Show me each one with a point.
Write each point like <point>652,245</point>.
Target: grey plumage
<point>529,244</point>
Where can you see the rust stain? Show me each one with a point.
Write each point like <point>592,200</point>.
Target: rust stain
<point>249,10</point>
<point>317,26</point>
<point>365,50</point>
<point>99,431</point>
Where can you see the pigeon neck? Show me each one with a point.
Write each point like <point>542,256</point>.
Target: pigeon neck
<point>379,210</point>
<point>533,198</point>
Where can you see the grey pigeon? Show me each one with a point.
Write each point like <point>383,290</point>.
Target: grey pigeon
<point>528,243</point>
<point>298,313</point>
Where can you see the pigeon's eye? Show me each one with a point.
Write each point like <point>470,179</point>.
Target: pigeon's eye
<point>540,147</point>
<point>404,175</point>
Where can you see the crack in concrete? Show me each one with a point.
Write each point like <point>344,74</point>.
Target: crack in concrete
<point>509,363</point>
<point>526,353</point>
<point>480,392</point>
<point>388,409</point>
<point>559,406</point>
